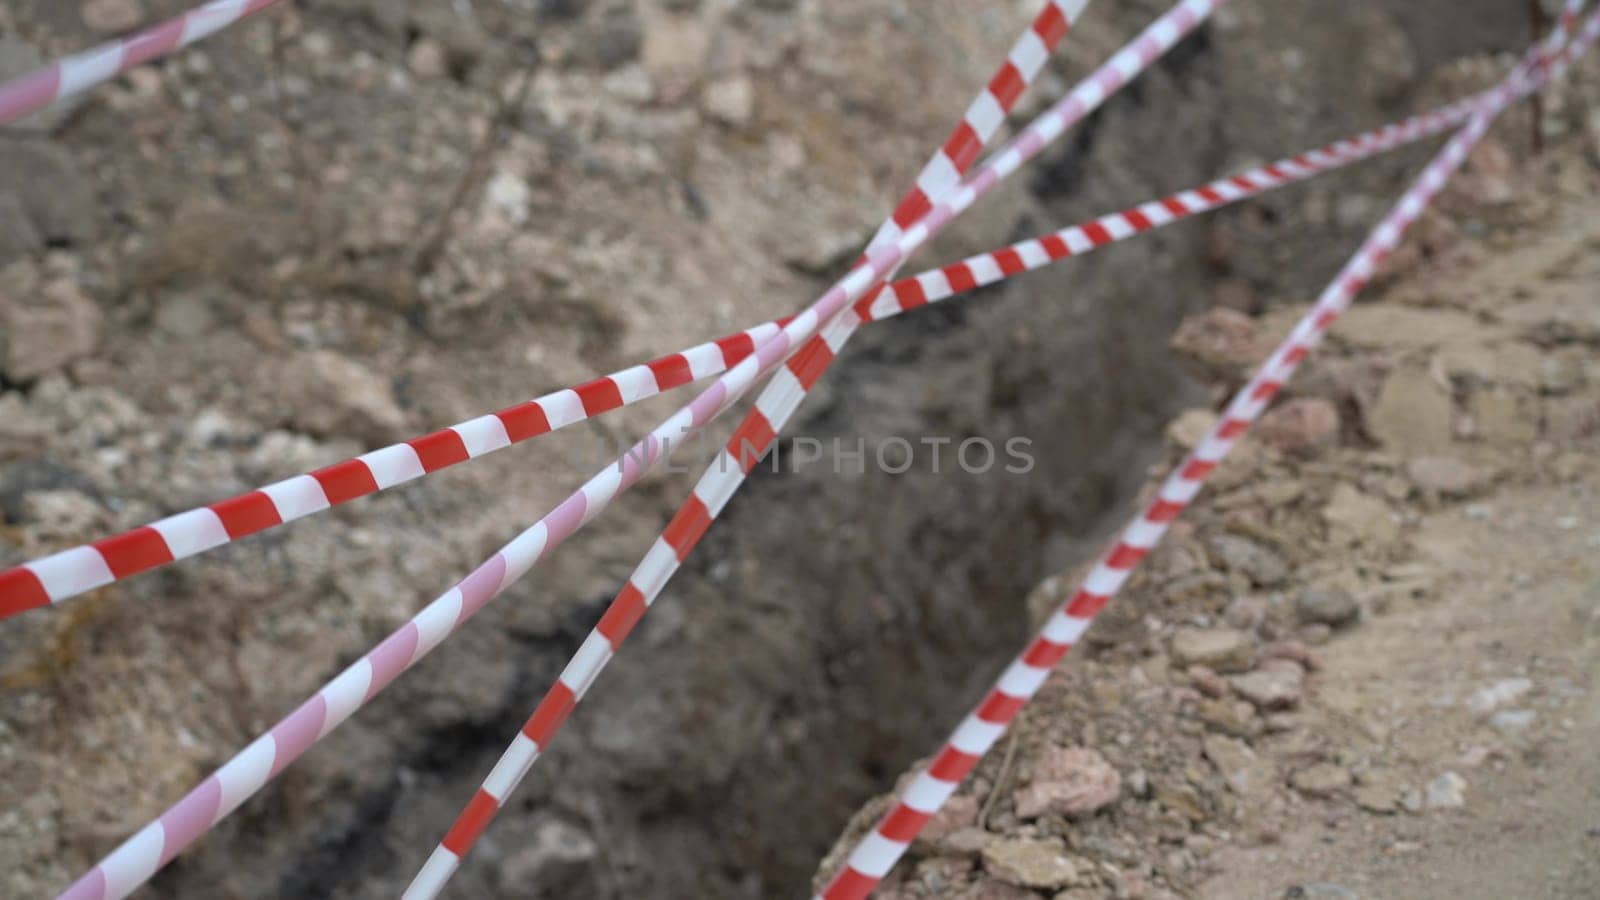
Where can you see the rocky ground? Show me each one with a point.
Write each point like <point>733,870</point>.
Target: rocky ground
<point>1367,662</point>
<point>350,221</point>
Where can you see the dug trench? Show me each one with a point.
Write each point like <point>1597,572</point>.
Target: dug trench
<point>832,626</point>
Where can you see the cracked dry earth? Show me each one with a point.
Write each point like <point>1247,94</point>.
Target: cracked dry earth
<point>1367,665</point>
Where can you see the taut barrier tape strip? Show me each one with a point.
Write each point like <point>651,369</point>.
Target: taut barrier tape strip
<point>68,573</point>
<point>940,177</point>
<point>76,570</point>
<point>773,407</point>
<point>78,73</point>
<point>878,851</point>
<point>142,855</point>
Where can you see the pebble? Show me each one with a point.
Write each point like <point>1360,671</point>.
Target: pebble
<point>1276,688</point>
<point>1321,779</point>
<point>1498,694</point>
<point>1510,722</point>
<point>1219,649</point>
<point>1030,863</point>
<point>57,327</point>
<point>1262,565</point>
<point>1319,891</point>
<point>1068,781</point>
<point>1326,606</point>
<point>731,101</point>
<point>1300,425</point>
<point>1356,518</point>
<point>112,16</point>
<point>558,856</point>
<point>1444,475</point>
<point>1446,792</point>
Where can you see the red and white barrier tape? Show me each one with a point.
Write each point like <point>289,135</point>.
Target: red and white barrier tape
<point>78,73</point>
<point>877,853</point>
<point>138,858</point>
<point>68,573</point>
<point>776,403</point>
<point>71,572</point>
<point>939,178</point>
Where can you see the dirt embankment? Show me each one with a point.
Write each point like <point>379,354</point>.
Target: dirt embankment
<point>244,263</point>
<point>1367,662</point>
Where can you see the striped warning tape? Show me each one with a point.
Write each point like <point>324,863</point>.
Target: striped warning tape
<point>878,851</point>
<point>71,572</point>
<point>776,403</point>
<point>75,74</point>
<point>136,859</point>
<point>139,857</point>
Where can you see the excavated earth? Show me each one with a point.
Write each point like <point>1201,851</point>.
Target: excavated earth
<point>351,221</point>
<point>1366,663</point>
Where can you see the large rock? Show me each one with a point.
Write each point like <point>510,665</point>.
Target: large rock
<point>1069,781</point>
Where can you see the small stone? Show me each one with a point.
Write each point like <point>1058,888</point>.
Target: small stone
<point>1498,694</point>
<point>1239,766</point>
<point>1356,518</point>
<point>559,857</point>
<point>1300,425</point>
<point>18,237</point>
<point>1220,341</point>
<point>1190,428</point>
<point>506,198</point>
<point>967,841</point>
<point>112,16</point>
<point>1321,780</point>
<point>1512,722</point>
<point>1446,792</point>
<point>1262,565</point>
<point>327,395</point>
<point>960,811</point>
<point>1219,649</point>
<point>1207,682</point>
<point>1270,688</point>
<point>1306,657</point>
<point>428,59</point>
<point>1069,781</point>
<point>1245,613</point>
<point>1030,863</point>
<point>1182,798</point>
<point>1413,413</point>
<point>1328,606</point>
<point>1233,717</point>
<point>1443,475</point>
<point>731,101</point>
<point>1504,416</point>
<point>48,332</point>
<point>1316,635</point>
<point>1319,891</point>
<point>1379,791</point>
